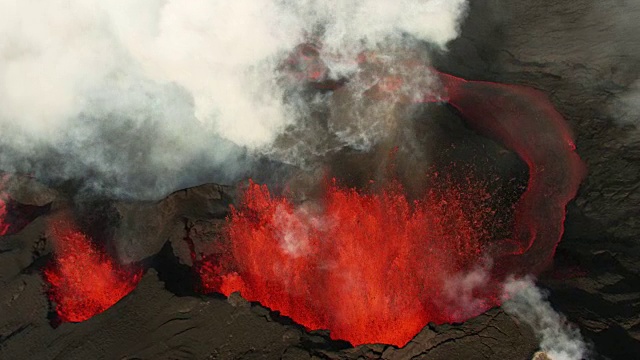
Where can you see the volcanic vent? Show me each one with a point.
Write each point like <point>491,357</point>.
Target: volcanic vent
<point>380,202</point>
<point>385,253</point>
<point>398,259</point>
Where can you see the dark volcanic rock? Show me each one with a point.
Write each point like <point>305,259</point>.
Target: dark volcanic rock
<point>22,252</point>
<point>27,190</point>
<point>600,291</point>
<point>199,221</point>
<point>493,335</point>
<point>151,323</point>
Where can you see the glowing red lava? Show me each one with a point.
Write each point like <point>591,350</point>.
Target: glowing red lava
<point>84,281</point>
<point>526,122</point>
<point>372,267</point>
<point>4,225</point>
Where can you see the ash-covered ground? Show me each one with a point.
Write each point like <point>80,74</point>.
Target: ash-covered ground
<point>585,55</point>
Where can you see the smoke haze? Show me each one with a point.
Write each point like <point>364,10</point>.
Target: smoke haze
<point>559,340</point>
<point>139,98</point>
<point>626,107</point>
<point>460,288</point>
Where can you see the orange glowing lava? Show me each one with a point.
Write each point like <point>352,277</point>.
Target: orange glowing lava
<point>372,267</point>
<point>84,281</point>
<point>376,268</point>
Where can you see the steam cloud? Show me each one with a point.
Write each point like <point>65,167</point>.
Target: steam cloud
<point>139,98</point>
<point>559,340</point>
<point>459,289</point>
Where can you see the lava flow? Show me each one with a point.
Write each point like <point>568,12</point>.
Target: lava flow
<point>4,225</point>
<point>372,267</point>
<point>526,122</point>
<point>375,268</point>
<point>84,280</point>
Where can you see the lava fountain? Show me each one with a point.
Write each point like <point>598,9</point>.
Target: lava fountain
<point>375,267</point>
<point>361,253</point>
<point>84,280</point>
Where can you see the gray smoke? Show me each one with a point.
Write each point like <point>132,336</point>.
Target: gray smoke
<point>521,298</point>
<point>138,98</point>
<point>459,289</point>
<point>626,107</point>
<point>559,339</point>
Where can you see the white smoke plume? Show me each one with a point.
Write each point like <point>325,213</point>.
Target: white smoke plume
<point>559,340</point>
<point>460,288</point>
<point>298,227</point>
<point>142,96</point>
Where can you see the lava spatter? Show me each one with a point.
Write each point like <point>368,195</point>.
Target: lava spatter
<point>525,121</point>
<point>84,281</point>
<point>371,267</point>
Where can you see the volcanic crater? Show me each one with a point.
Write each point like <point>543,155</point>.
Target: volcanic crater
<point>207,273</point>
